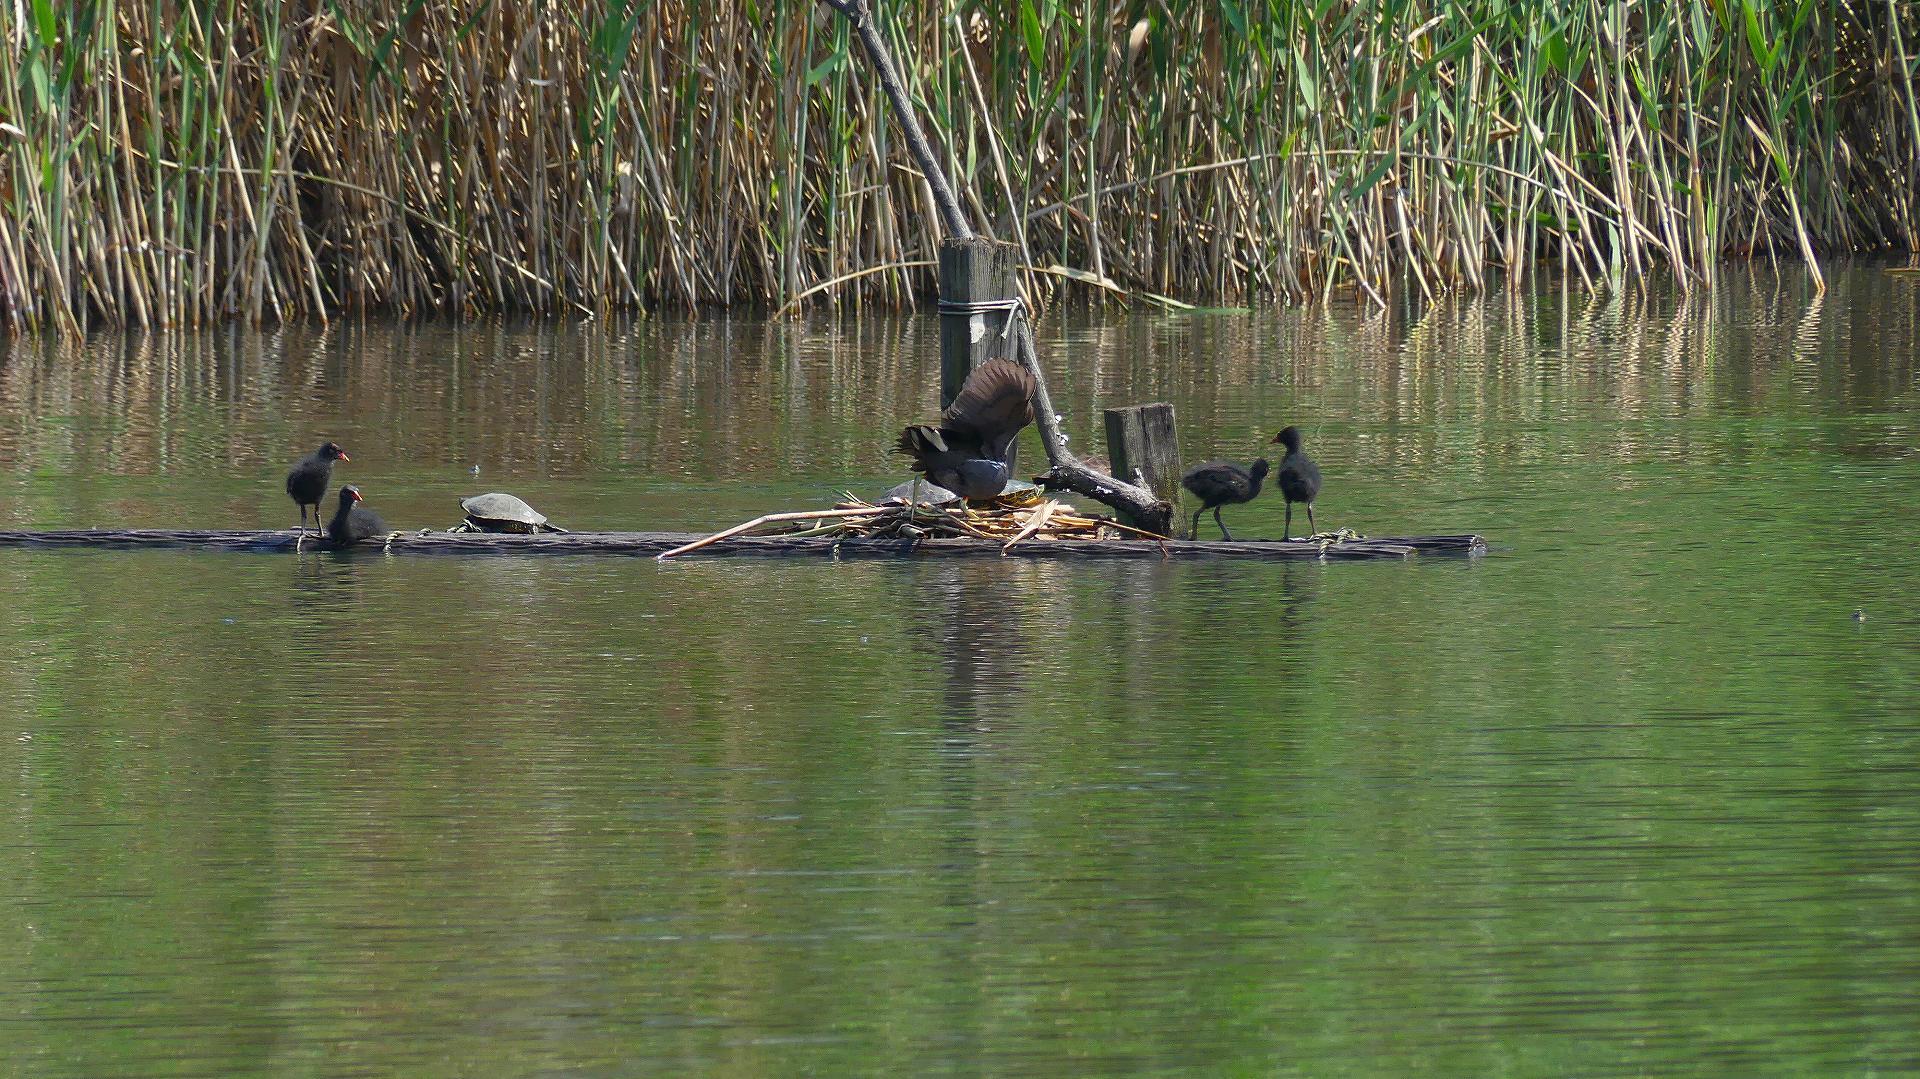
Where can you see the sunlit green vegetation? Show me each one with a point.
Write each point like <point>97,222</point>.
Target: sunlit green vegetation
<point>186,161</point>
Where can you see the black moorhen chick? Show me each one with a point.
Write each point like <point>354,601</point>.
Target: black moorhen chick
<point>1222,483</point>
<point>967,451</point>
<point>1299,480</point>
<point>353,523</point>
<point>307,483</point>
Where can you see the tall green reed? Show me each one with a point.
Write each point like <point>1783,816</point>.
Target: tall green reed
<point>188,161</point>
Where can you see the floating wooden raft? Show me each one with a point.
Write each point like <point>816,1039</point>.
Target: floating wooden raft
<point>653,543</point>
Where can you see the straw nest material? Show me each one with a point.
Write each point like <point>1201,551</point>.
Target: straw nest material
<point>1019,517</point>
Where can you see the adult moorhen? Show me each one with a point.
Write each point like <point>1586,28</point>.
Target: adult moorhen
<point>307,483</point>
<point>966,452</point>
<point>353,523</point>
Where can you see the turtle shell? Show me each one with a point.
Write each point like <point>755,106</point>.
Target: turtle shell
<point>495,511</point>
<point>1019,490</point>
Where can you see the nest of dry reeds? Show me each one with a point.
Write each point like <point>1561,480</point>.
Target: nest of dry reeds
<point>1021,517</point>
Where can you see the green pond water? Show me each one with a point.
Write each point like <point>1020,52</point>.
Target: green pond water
<point>1633,794</point>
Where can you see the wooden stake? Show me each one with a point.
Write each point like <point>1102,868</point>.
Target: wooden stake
<point>1145,449</point>
<point>973,270</point>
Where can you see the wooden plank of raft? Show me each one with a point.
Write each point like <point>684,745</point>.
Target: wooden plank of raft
<point>653,543</point>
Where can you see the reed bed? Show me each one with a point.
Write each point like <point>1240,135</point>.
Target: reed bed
<point>180,162</point>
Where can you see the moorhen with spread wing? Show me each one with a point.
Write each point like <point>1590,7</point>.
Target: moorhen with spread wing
<point>966,452</point>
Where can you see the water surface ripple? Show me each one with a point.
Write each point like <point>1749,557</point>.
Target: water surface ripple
<point>1634,794</point>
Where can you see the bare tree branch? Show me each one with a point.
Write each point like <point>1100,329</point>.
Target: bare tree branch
<point>861,19</point>
<point>1068,472</point>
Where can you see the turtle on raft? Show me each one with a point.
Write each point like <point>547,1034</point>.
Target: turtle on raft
<point>497,512</point>
<point>1015,493</point>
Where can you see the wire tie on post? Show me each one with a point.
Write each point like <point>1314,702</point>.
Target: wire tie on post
<point>1015,308</point>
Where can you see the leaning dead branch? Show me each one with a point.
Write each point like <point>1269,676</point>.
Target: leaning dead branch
<point>1068,472</point>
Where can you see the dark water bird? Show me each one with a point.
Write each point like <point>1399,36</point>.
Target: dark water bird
<point>1299,480</point>
<point>1222,483</point>
<point>307,483</point>
<point>966,452</point>
<point>354,523</point>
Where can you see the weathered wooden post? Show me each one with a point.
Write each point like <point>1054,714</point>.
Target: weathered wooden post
<point>974,273</point>
<point>1144,449</point>
<point>976,281</point>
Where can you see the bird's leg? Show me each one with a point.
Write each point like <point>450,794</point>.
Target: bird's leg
<point>1286,531</point>
<point>1193,530</point>
<point>1221,523</point>
<point>1310,524</point>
